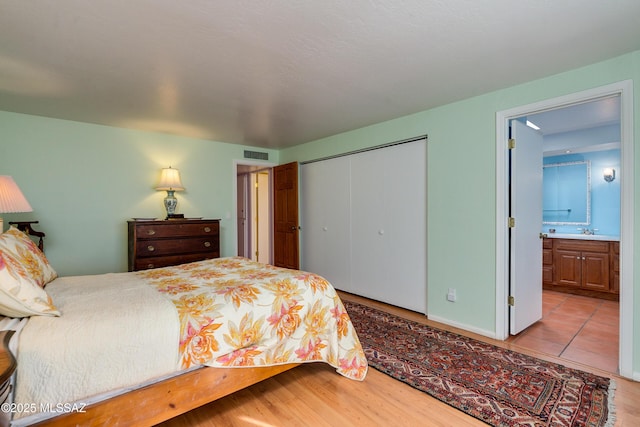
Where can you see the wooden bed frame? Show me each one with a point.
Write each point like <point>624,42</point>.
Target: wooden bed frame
<point>152,404</point>
<point>157,402</point>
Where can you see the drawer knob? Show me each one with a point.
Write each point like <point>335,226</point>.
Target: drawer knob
<point>207,244</point>
<point>151,248</point>
<point>207,229</point>
<point>151,232</point>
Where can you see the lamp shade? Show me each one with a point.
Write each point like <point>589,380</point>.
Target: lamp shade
<point>170,180</point>
<point>11,198</point>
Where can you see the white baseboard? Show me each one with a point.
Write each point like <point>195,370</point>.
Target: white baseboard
<point>483,332</point>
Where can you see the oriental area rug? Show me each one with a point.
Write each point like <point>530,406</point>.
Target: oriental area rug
<point>495,385</point>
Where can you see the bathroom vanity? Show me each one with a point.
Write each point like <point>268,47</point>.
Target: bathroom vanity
<point>582,264</point>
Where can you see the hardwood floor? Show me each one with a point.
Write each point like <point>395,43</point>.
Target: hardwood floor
<point>577,328</point>
<point>314,394</point>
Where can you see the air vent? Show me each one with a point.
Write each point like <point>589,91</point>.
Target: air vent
<point>255,155</point>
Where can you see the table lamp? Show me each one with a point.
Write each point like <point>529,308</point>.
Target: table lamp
<point>170,182</point>
<point>11,198</point>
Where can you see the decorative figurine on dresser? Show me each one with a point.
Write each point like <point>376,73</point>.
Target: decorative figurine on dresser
<point>157,243</point>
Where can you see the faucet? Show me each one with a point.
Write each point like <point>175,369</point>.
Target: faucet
<point>587,231</point>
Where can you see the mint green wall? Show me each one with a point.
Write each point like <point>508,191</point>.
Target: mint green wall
<point>85,181</point>
<point>461,173</point>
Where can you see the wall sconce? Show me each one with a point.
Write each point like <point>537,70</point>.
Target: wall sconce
<point>11,198</point>
<point>170,182</point>
<point>609,174</point>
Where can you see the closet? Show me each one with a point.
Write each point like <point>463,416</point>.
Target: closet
<point>364,222</point>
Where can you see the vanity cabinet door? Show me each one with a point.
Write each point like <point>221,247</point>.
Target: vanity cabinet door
<point>595,271</point>
<point>568,267</point>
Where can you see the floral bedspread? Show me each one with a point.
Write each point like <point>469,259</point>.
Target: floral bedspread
<point>238,313</point>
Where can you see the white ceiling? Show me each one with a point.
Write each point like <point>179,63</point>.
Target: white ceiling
<point>579,117</point>
<point>282,72</point>
<point>598,112</point>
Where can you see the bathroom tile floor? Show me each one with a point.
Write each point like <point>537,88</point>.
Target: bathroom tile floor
<point>577,328</point>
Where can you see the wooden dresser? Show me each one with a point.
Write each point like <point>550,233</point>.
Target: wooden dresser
<point>583,267</point>
<point>155,244</point>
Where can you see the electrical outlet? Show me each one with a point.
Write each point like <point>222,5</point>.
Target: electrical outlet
<point>451,295</point>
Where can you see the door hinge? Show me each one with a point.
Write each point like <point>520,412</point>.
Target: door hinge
<point>512,222</point>
<point>512,143</point>
<point>511,301</point>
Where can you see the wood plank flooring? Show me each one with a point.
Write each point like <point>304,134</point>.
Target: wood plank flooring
<point>314,394</point>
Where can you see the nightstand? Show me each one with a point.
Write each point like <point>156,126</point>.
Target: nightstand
<point>7,368</point>
<point>154,244</point>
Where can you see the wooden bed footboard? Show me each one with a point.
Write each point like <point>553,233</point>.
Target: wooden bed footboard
<point>161,401</point>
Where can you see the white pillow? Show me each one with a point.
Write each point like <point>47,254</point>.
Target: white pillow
<point>24,270</point>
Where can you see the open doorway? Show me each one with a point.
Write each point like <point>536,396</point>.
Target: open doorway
<point>254,212</point>
<point>623,90</point>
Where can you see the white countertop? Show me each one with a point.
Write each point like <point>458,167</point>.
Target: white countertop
<point>583,236</point>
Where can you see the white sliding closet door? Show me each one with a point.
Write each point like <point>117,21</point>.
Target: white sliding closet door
<point>364,223</point>
<point>368,226</point>
<point>326,217</point>
<point>388,245</point>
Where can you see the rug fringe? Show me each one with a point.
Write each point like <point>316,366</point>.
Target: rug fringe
<point>611,419</point>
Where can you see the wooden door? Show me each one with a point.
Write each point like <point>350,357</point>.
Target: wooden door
<point>285,216</point>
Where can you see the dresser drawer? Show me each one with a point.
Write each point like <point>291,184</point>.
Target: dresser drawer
<point>173,230</point>
<point>170,260</point>
<point>157,247</point>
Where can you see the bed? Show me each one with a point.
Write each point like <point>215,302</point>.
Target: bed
<point>141,347</point>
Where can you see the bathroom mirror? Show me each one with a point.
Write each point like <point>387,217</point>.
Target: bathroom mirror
<point>566,193</point>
